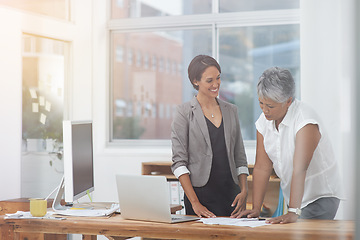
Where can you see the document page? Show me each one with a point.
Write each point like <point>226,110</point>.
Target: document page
<point>242,222</point>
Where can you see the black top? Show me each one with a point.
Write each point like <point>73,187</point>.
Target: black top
<point>220,191</point>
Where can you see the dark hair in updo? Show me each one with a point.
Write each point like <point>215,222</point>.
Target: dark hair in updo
<point>198,66</point>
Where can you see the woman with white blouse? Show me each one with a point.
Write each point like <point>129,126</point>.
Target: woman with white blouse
<point>292,140</point>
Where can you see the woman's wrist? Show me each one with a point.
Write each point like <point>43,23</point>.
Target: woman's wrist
<point>255,208</point>
<point>244,191</point>
<point>296,211</point>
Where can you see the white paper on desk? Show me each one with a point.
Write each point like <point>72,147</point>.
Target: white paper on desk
<point>27,215</point>
<point>242,222</point>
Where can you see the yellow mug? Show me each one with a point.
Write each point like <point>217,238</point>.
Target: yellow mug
<point>38,207</point>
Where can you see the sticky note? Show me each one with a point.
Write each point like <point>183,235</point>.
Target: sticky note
<point>35,107</point>
<point>33,93</point>
<point>48,106</point>
<point>42,101</point>
<point>42,118</point>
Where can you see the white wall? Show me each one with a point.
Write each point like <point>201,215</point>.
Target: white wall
<point>328,78</point>
<point>10,104</point>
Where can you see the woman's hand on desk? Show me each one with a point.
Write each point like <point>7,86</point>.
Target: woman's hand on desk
<point>246,214</point>
<point>287,218</point>
<point>239,203</point>
<point>201,210</point>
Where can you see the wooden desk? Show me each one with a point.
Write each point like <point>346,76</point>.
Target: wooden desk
<point>116,226</point>
<point>23,204</point>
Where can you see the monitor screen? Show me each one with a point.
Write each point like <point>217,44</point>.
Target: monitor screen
<point>78,159</point>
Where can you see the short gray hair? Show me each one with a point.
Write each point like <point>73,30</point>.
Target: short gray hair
<point>276,84</point>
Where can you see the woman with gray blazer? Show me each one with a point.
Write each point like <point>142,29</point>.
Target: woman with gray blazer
<point>208,151</point>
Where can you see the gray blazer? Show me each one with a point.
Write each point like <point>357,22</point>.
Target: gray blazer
<point>191,146</point>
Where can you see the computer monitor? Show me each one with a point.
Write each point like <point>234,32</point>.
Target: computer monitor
<point>78,177</point>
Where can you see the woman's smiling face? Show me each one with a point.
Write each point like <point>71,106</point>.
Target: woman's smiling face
<point>209,84</point>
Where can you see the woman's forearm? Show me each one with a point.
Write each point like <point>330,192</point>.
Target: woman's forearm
<point>243,183</point>
<point>260,182</point>
<point>297,188</point>
<point>188,188</point>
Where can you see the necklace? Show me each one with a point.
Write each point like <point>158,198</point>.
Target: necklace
<point>207,109</point>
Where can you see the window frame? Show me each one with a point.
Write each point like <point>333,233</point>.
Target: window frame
<point>186,22</point>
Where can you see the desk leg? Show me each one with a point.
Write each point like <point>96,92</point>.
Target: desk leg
<point>53,236</point>
<point>7,232</point>
<point>89,237</point>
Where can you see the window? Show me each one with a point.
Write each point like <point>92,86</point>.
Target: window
<point>158,8</point>
<point>147,87</point>
<point>257,5</point>
<point>152,90</point>
<point>244,53</point>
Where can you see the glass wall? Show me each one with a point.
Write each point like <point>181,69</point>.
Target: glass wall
<point>44,62</point>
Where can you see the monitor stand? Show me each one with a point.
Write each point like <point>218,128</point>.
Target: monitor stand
<point>57,200</point>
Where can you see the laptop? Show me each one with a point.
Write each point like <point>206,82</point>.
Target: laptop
<point>146,198</point>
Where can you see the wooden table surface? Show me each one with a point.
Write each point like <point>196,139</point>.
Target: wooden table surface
<point>117,226</point>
